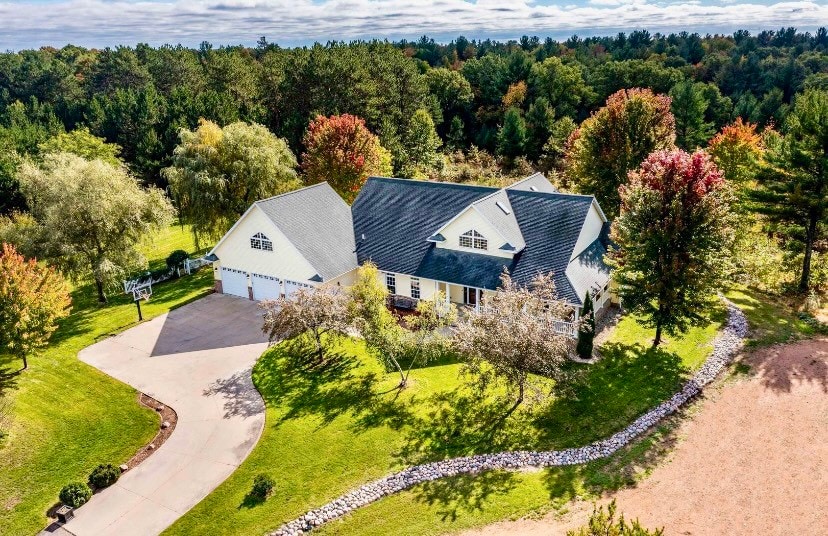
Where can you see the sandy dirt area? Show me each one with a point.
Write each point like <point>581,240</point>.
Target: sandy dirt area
<point>752,460</point>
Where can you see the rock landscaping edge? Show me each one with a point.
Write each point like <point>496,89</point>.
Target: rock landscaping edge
<point>726,345</point>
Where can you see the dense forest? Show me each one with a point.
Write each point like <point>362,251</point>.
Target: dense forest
<point>463,110</point>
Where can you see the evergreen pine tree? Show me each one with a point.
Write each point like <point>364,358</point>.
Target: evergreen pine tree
<point>511,139</point>
<point>586,331</point>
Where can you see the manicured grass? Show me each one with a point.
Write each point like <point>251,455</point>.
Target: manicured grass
<point>770,319</point>
<point>67,416</point>
<point>329,430</point>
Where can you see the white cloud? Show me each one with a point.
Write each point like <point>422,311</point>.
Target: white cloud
<point>27,23</point>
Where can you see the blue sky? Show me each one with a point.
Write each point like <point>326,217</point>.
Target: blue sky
<point>99,23</point>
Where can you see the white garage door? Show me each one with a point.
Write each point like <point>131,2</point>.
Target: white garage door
<point>293,286</point>
<point>234,282</point>
<point>265,287</point>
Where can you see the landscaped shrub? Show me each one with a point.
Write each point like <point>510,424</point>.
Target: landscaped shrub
<point>75,494</point>
<point>104,476</point>
<point>586,331</point>
<point>262,486</point>
<point>177,258</point>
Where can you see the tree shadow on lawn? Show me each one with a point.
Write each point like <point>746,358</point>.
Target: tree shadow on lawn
<point>464,493</point>
<point>288,376</point>
<point>10,370</point>
<point>605,397</point>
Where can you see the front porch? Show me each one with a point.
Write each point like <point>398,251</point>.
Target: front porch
<point>470,298</point>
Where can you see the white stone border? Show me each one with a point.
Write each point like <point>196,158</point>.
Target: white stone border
<point>727,343</point>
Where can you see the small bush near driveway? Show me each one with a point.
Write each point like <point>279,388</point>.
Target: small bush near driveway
<point>104,476</point>
<point>75,494</point>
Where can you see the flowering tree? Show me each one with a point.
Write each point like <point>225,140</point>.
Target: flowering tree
<point>674,235</point>
<point>342,151</point>
<point>32,300</point>
<point>615,140</point>
<point>513,334</point>
<point>316,314</point>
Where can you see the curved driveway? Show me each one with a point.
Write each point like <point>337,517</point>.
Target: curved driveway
<point>198,360</point>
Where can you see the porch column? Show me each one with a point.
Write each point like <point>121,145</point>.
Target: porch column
<point>478,295</point>
<point>448,294</point>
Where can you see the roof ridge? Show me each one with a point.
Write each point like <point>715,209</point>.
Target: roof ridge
<point>290,192</point>
<point>435,183</point>
<point>558,193</point>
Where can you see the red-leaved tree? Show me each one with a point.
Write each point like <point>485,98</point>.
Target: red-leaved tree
<point>615,140</point>
<point>674,234</point>
<point>342,151</point>
<point>32,300</point>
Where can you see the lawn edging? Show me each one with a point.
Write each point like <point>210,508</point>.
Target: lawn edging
<point>726,345</point>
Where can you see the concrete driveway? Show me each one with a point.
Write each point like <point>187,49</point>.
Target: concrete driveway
<point>196,359</point>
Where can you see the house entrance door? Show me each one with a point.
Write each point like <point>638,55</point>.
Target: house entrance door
<point>470,296</point>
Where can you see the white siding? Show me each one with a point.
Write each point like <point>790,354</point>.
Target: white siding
<point>284,262</point>
<point>469,220</point>
<point>589,232</point>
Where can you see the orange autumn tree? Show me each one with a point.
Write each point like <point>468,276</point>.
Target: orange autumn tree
<point>32,300</point>
<point>737,151</point>
<point>342,151</point>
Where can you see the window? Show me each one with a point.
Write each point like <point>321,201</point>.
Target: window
<point>415,288</point>
<point>473,239</point>
<point>260,241</point>
<point>391,283</point>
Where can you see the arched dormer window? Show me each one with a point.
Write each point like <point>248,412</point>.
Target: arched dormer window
<point>260,241</point>
<point>473,239</point>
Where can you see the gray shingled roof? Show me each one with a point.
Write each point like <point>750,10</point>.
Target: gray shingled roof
<point>506,224</point>
<point>396,216</point>
<point>318,222</point>
<point>534,183</point>
<point>587,271</point>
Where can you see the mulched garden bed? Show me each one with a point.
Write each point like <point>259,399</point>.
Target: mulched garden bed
<point>167,414</point>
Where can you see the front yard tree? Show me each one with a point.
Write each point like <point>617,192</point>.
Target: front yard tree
<point>674,235</point>
<point>615,140</point>
<point>320,314</point>
<point>342,151</point>
<point>85,144</point>
<point>88,217</point>
<point>33,298</point>
<point>217,173</point>
<point>793,187</point>
<point>512,335</point>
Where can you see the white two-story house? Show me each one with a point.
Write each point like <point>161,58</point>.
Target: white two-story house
<point>425,237</point>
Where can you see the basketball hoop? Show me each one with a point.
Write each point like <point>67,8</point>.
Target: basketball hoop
<point>141,292</point>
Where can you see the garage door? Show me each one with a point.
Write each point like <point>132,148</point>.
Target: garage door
<point>293,286</point>
<point>265,287</point>
<point>234,282</point>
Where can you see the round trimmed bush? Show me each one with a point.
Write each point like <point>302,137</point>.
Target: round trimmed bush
<point>75,494</point>
<point>104,476</point>
<point>177,258</point>
<point>262,486</point>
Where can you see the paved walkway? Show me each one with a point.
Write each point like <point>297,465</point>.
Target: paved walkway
<point>197,359</point>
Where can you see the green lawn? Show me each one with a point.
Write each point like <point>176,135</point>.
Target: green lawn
<point>67,416</point>
<point>770,319</point>
<point>330,430</point>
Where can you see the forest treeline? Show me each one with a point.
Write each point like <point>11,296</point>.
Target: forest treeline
<point>141,97</point>
<point>218,127</point>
